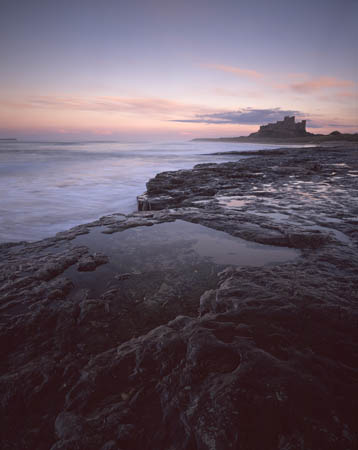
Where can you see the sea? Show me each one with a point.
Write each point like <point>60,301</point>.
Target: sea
<point>47,187</point>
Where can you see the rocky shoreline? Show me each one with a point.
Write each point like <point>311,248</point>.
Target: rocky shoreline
<point>334,139</point>
<point>125,334</point>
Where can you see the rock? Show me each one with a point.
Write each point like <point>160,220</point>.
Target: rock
<point>56,293</point>
<point>110,445</point>
<point>307,239</point>
<point>210,384</point>
<point>91,262</point>
<point>126,276</point>
<point>69,426</point>
<point>176,355</point>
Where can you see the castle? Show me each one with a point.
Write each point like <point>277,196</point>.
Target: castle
<point>285,128</point>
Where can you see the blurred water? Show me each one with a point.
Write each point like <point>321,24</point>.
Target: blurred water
<point>46,187</point>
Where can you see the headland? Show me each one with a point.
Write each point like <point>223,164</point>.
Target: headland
<point>287,131</point>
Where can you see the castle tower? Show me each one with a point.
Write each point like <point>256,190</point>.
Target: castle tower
<point>286,128</point>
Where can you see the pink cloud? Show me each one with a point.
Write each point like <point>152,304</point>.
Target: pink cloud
<point>317,84</point>
<point>346,94</point>
<point>341,97</point>
<point>235,70</point>
<point>301,83</point>
<point>128,105</point>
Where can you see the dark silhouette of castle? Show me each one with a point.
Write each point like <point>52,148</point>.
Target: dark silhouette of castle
<point>285,128</point>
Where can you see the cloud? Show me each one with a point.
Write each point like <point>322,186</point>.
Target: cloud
<point>317,84</point>
<point>235,70</point>
<point>329,124</point>
<point>301,83</point>
<point>341,125</point>
<point>340,97</point>
<point>247,116</point>
<point>131,105</point>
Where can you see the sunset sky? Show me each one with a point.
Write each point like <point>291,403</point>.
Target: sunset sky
<point>162,69</point>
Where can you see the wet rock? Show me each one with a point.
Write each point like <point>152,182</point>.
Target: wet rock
<point>69,426</point>
<point>51,270</point>
<point>206,382</point>
<point>91,262</point>
<point>155,203</point>
<point>56,293</point>
<point>161,359</point>
<point>308,239</point>
<point>110,445</point>
<point>127,276</point>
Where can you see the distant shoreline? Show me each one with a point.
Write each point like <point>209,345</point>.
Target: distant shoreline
<point>314,139</point>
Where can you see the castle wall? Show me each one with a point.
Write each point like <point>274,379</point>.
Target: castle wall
<point>283,128</point>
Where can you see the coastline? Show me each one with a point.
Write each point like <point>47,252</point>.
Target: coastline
<point>308,140</point>
<point>119,345</point>
<point>84,181</point>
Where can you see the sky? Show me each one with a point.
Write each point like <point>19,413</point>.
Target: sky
<point>159,69</point>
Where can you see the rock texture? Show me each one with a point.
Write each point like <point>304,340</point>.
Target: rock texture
<point>156,355</point>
